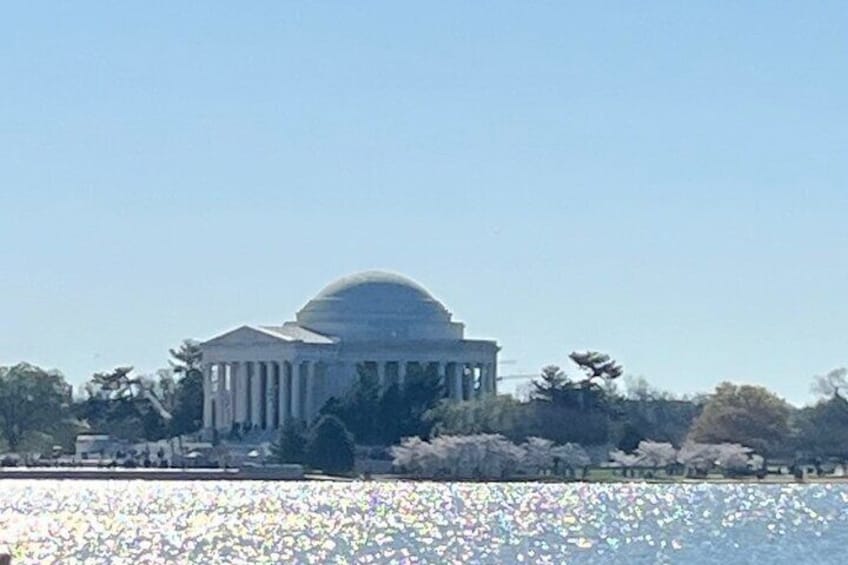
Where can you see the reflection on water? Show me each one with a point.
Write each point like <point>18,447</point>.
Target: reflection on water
<point>320,522</point>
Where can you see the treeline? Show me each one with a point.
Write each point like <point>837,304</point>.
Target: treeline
<point>38,409</point>
<point>587,408</point>
<point>584,406</point>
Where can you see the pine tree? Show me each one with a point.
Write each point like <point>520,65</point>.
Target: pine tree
<point>551,384</point>
<point>330,446</point>
<point>290,446</point>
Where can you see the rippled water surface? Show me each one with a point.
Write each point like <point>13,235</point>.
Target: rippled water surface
<point>321,522</point>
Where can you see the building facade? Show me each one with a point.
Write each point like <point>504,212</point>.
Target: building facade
<point>382,323</point>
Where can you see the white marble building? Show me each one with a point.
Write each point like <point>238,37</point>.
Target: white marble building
<point>262,376</point>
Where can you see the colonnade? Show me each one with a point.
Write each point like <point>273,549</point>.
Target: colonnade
<point>257,394</point>
<point>267,394</point>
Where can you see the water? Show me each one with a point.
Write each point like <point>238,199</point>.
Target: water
<point>322,522</point>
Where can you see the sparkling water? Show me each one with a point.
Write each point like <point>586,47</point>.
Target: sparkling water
<point>403,522</point>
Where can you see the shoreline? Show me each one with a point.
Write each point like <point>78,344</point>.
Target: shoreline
<point>296,473</point>
<point>283,473</point>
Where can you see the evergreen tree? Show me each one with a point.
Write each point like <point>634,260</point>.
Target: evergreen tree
<point>290,447</point>
<point>579,411</point>
<point>188,405</point>
<point>330,447</point>
<point>421,392</point>
<point>359,409</point>
<point>551,384</point>
<point>187,357</point>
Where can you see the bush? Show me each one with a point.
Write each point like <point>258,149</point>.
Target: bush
<point>330,447</point>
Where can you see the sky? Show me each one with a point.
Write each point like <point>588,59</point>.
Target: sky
<point>663,181</point>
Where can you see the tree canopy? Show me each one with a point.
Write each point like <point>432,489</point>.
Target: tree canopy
<point>32,400</point>
<point>290,446</point>
<point>576,410</point>
<point>745,414</point>
<point>187,357</point>
<point>383,416</point>
<point>330,447</point>
<point>150,407</point>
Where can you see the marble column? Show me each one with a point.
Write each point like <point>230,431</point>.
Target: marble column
<point>207,396</point>
<point>401,374</point>
<point>381,374</point>
<point>256,394</point>
<point>224,417</point>
<point>289,408</point>
<point>308,409</point>
<point>296,382</point>
<point>238,393</point>
<point>282,406</point>
<point>249,369</point>
<point>270,404</point>
<point>458,378</point>
<point>217,385</point>
<point>490,379</point>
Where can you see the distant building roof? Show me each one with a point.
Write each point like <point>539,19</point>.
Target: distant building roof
<point>293,332</point>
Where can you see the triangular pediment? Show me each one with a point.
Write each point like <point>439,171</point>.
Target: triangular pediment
<point>247,335</point>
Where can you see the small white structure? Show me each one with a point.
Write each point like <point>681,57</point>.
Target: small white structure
<point>262,376</point>
<point>97,446</point>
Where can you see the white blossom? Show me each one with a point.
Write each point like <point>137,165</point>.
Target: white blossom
<point>655,454</point>
<point>489,456</point>
<point>623,459</point>
<point>571,455</point>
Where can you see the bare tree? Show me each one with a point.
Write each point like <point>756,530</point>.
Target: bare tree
<point>833,384</point>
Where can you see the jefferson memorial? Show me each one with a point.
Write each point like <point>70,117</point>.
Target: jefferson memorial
<point>382,323</point>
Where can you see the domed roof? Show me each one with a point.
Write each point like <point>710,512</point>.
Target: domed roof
<point>377,304</point>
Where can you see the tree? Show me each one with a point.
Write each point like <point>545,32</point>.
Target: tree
<point>32,400</point>
<point>744,414</point>
<point>586,394</point>
<point>421,392</point>
<point>600,373</point>
<point>187,357</point>
<point>360,408</point>
<point>569,411</point>
<point>503,415</point>
<point>833,384</point>
<point>384,416</point>
<point>188,402</point>
<point>551,384</point>
<point>538,455</point>
<point>330,447</point>
<point>484,456</point>
<point>655,454</point>
<point>645,412</point>
<point>570,457</point>
<point>475,456</point>
<point>596,366</point>
<point>130,406</point>
<point>821,430</point>
<point>290,447</point>
<point>700,458</point>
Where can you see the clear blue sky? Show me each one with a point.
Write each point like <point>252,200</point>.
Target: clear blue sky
<point>667,182</point>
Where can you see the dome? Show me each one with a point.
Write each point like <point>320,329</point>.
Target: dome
<point>378,305</point>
